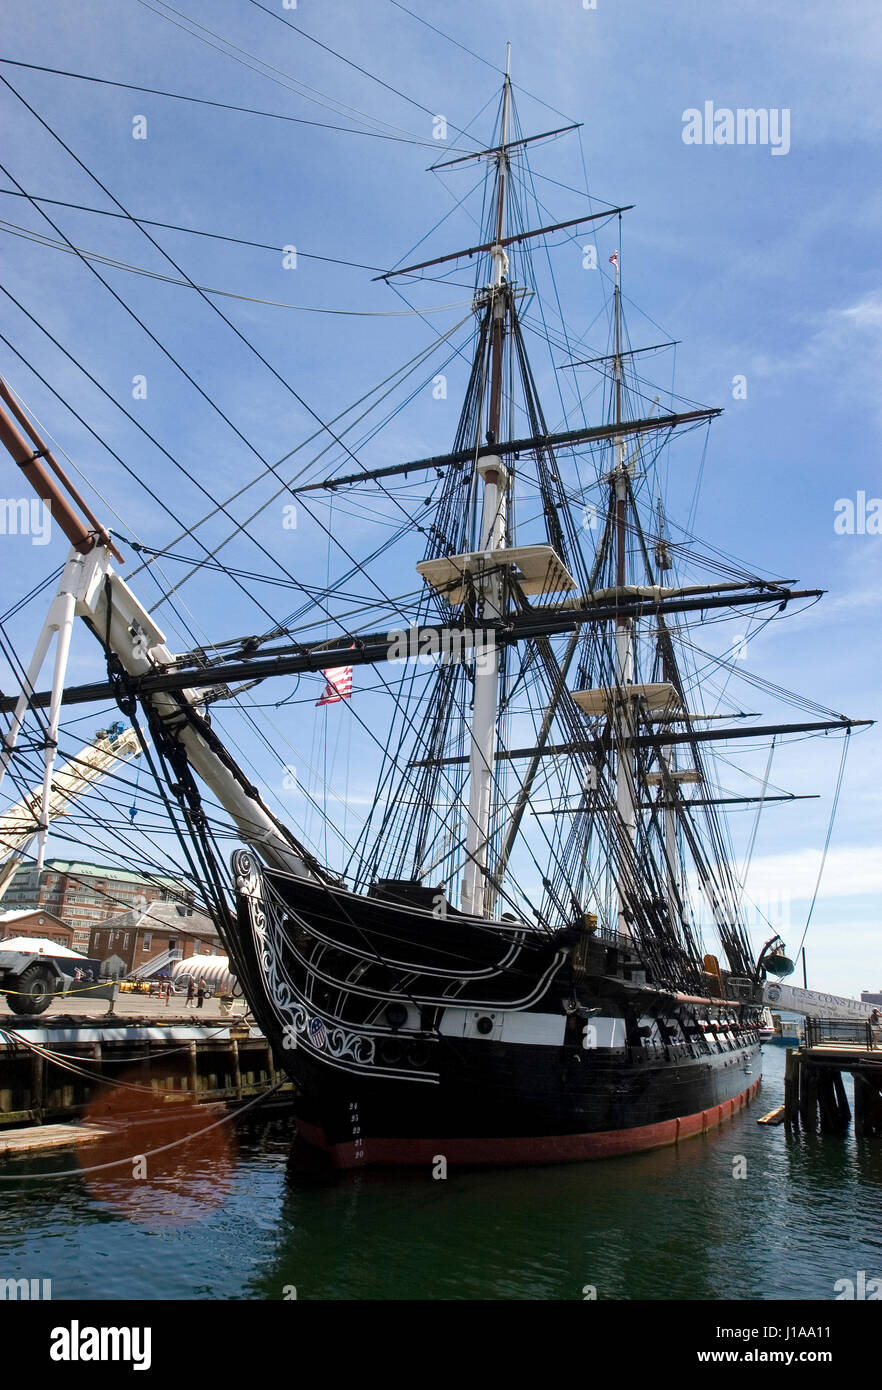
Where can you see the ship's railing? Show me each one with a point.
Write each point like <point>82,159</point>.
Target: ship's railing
<point>844,1030</point>
<point>610,937</point>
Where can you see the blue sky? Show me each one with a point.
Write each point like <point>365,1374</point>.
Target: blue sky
<point>763,266</point>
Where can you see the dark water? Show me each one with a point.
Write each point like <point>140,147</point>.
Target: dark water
<point>237,1220</point>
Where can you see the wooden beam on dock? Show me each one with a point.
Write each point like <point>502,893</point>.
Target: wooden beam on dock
<point>21,1141</point>
<point>774,1117</point>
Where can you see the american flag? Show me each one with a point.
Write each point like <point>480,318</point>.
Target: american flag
<point>614,260</point>
<point>338,685</point>
<point>318,1035</point>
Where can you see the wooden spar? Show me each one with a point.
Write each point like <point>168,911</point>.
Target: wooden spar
<point>90,589</point>
<point>691,801</point>
<point>505,149</point>
<point>653,740</point>
<point>505,241</point>
<point>587,435</point>
<point>526,787</point>
<point>29,461</point>
<point>614,356</point>
<point>58,626</point>
<point>370,649</point>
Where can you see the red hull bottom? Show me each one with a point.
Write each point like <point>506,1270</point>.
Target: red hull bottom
<point>504,1152</point>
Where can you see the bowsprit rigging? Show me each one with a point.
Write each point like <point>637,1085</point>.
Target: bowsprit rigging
<point>510,964</point>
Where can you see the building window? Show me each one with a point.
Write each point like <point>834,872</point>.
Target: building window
<point>126,942</point>
<point>146,943</point>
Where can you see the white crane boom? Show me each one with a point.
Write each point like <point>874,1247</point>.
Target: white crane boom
<point>21,822</point>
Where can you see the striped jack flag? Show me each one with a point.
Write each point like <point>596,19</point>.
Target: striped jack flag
<point>338,685</point>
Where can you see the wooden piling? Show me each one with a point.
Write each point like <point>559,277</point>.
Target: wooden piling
<point>791,1090</point>
<point>864,1104</point>
<point>844,1112</point>
<point>38,1083</point>
<point>33,1088</point>
<point>808,1096</point>
<point>815,1096</point>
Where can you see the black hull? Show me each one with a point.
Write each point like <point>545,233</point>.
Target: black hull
<point>519,1108</point>
<point>426,1090</point>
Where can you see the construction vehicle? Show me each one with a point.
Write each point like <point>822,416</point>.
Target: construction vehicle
<point>34,971</point>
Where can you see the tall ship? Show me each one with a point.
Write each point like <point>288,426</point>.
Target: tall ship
<point>534,946</point>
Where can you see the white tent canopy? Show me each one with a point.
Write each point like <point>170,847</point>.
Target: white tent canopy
<point>214,970</point>
<point>38,946</point>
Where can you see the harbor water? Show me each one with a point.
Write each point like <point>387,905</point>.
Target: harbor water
<point>741,1213</point>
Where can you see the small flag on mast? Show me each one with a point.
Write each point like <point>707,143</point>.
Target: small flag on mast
<point>338,685</point>
<point>614,261</point>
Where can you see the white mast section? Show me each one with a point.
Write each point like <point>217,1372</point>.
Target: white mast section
<point>493,527</point>
<point>58,626</point>
<point>626,791</point>
<point>486,701</point>
<point>91,589</point>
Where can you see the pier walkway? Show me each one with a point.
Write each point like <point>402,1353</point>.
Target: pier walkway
<point>60,1065</point>
<point>814,1091</point>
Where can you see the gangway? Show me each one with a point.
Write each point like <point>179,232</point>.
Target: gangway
<point>814,1003</point>
<point>150,967</point>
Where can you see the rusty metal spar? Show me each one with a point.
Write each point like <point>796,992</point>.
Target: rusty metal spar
<point>30,461</point>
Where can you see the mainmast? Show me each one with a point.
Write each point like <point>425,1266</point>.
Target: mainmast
<point>626,796</point>
<point>492,537</point>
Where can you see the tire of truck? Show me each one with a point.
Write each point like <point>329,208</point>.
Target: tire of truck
<point>34,992</point>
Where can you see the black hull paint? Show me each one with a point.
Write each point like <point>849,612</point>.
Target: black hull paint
<point>507,1092</point>
<point>369,1093</point>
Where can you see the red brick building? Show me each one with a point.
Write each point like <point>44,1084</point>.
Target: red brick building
<point>83,894</point>
<point>34,922</point>
<point>137,938</point>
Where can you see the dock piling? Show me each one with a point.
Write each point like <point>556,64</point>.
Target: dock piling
<point>814,1091</point>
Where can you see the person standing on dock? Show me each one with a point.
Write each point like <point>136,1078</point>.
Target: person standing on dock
<point>191,992</point>
<point>200,999</point>
<point>875,1022</point>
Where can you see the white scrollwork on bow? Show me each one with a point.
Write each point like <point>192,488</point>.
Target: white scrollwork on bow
<point>266,911</point>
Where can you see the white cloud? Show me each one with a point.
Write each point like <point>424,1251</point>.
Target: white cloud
<point>866,314</point>
<point>840,335</point>
<point>849,872</point>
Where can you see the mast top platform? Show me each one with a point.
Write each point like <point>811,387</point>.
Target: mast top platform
<point>537,569</point>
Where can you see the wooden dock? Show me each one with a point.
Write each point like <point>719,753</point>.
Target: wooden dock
<point>19,1141</point>
<point>95,1068</point>
<point>815,1099</point>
